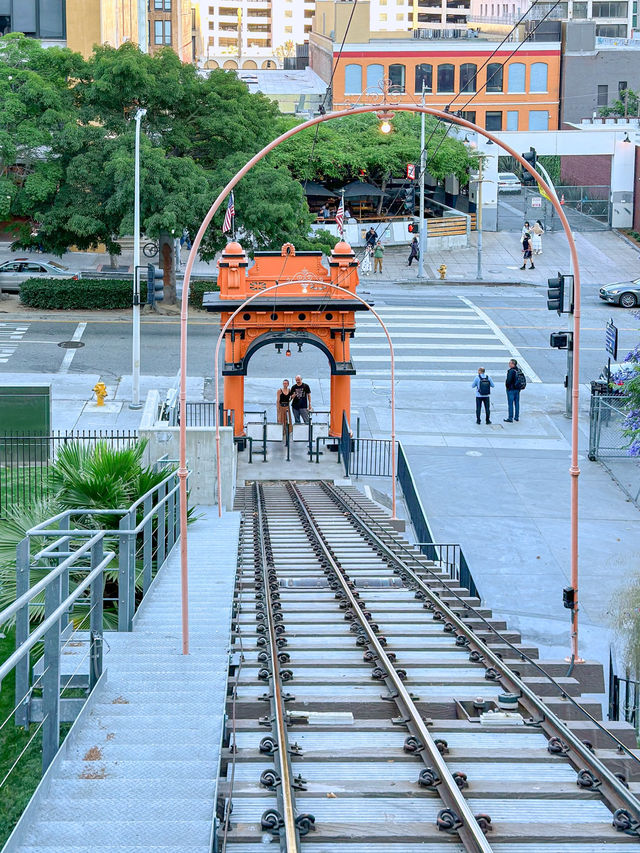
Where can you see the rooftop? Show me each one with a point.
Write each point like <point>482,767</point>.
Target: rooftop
<point>280,82</point>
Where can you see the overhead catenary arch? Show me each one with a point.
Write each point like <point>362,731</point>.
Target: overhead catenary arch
<point>386,108</point>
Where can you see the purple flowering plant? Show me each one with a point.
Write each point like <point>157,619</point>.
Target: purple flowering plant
<point>628,377</point>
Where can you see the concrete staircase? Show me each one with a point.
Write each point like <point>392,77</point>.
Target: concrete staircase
<point>138,770</point>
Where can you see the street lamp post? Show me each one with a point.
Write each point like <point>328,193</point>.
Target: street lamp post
<point>135,349</point>
<point>422,242</point>
<point>480,158</point>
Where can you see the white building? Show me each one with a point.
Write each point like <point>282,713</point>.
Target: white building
<point>253,34</point>
<point>613,18</point>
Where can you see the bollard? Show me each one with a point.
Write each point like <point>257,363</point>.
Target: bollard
<point>100,390</point>
<point>442,269</point>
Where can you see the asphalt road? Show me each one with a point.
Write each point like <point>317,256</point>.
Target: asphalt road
<point>450,333</point>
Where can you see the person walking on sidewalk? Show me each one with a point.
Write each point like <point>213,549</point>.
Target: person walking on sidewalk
<point>378,255</point>
<point>536,237</point>
<point>414,251</point>
<point>514,384</point>
<point>526,252</point>
<point>483,384</point>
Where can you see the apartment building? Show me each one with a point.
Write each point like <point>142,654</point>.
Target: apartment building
<point>254,34</point>
<point>612,18</point>
<point>175,24</point>
<point>476,76</point>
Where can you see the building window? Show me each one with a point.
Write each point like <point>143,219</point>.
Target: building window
<point>446,78</point>
<point>538,120</point>
<point>603,96</point>
<point>494,77</point>
<point>512,119</point>
<point>164,4</point>
<point>288,29</point>
<point>162,32</point>
<point>424,74</point>
<point>468,72</point>
<point>382,17</point>
<point>538,78</point>
<point>493,120</point>
<point>516,77</point>
<point>580,10</point>
<point>353,80</point>
<point>396,78</point>
<point>622,86</point>
<point>469,115</point>
<point>611,31</point>
<point>609,10</point>
<point>375,76</point>
<point>288,13</point>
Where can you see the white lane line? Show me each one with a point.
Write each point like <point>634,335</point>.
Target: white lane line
<point>472,359</point>
<point>411,373</point>
<point>513,350</point>
<point>402,310</point>
<point>69,354</point>
<point>400,319</point>
<point>393,326</point>
<point>421,346</point>
<point>488,336</point>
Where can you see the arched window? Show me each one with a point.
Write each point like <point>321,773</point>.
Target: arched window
<point>396,78</point>
<point>446,78</point>
<point>516,77</point>
<point>353,80</point>
<point>375,76</point>
<point>424,73</point>
<point>538,79</point>
<point>468,72</point>
<point>494,77</point>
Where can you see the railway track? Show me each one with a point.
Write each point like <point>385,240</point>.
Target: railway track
<point>374,706</point>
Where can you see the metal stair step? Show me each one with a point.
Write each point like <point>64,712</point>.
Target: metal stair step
<point>189,834</point>
<point>61,806</point>
<point>140,768</point>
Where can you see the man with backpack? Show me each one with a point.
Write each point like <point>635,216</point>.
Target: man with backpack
<point>483,385</point>
<point>515,382</point>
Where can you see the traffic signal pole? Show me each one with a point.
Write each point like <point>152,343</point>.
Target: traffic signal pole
<point>422,242</point>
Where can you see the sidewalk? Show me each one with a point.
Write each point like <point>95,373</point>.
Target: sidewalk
<point>604,257</point>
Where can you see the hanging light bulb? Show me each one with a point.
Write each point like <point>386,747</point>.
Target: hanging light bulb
<point>288,352</point>
<point>385,127</point>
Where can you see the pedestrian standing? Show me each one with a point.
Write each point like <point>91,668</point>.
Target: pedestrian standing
<point>325,213</point>
<point>483,384</point>
<point>301,400</point>
<point>185,238</point>
<point>283,400</point>
<point>366,265</point>
<point>378,255</point>
<point>414,251</point>
<point>536,237</point>
<point>371,237</point>
<point>515,382</point>
<point>525,228</point>
<point>526,252</point>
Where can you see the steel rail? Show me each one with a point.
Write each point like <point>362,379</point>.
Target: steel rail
<point>618,795</point>
<point>290,840</point>
<point>522,655</point>
<point>470,833</point>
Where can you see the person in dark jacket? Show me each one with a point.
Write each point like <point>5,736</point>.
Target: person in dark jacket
<point>414,251</point>
<point>371,238</point>
<point>513,392</point>
<point>527,252</point>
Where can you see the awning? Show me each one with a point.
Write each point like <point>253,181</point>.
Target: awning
<point>313,188</point>
<point>360,189</point>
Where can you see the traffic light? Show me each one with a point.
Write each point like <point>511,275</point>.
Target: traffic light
<point>155,285</point>
<point>410,198</point>
<point>532,158</point>
<point>555,294</point>
<point>414,227</point>
<point>559,340</point>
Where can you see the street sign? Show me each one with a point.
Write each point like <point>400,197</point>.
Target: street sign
<point>611,339</point>
<point>536,201</point>
<point>411,171</point>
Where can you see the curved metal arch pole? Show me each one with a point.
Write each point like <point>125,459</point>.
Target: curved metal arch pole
<point>574,470</point>
<point>393,392</point>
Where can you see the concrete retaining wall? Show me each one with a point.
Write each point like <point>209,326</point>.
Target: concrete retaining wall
<point>164,440</point>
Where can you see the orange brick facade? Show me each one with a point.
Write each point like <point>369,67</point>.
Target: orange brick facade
<point>522,94</point>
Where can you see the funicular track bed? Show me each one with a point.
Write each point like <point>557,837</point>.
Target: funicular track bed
<point>361,697</point>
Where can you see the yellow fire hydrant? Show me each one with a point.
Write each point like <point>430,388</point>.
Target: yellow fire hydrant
<point>100,390</point>
<point>442,269</point>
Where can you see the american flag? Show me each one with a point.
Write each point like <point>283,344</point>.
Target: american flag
<point>227,225</point>
<point>340,215</point>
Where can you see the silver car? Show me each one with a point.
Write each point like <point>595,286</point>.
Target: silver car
<point>624,293</point>
<point>14,272</point>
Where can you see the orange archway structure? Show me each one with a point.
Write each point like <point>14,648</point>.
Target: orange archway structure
<point>305,309</point>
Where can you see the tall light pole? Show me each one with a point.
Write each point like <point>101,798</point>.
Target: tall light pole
<point>422,242</point>
<point>472,147</point>
<point>135,349</point>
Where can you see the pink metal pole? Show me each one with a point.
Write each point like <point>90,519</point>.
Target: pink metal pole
<point>448,117</point>
<point>391,353</point>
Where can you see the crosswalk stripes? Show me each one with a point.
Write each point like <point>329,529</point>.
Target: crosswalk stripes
<point>10,336</point>
<point>436,341</point>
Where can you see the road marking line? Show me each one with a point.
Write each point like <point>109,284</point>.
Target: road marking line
<point>513,350</point>
<point>448,358</point>
<point>68,356</point>
<point>422,346</point>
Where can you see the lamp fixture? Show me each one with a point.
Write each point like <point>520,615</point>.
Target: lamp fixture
<point>288,352</point>
<point>626,138</point>
<point>299,346</point>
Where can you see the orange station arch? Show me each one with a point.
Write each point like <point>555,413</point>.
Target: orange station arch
<point>305,310</point>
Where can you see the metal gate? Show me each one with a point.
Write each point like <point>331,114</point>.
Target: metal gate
<point>606,427</point>
<point>586,208</point>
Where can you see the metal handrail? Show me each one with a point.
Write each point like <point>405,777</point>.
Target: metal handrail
<point>158,529</point>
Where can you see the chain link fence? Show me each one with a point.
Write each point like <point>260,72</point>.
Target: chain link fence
<point>606,427</point>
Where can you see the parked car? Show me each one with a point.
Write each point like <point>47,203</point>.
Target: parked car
<point>508,183</point>
<point>624,293</point>
<point>14,272</point>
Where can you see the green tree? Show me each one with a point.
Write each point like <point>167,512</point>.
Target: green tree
<point>626,104</point>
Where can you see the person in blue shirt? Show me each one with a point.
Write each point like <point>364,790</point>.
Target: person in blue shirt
<point>483,384</point>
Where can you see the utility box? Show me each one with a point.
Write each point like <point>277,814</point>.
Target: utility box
<point>25,410</point>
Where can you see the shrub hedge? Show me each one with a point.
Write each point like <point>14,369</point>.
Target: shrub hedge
<point>93,294</point>
<point>86,293</point>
